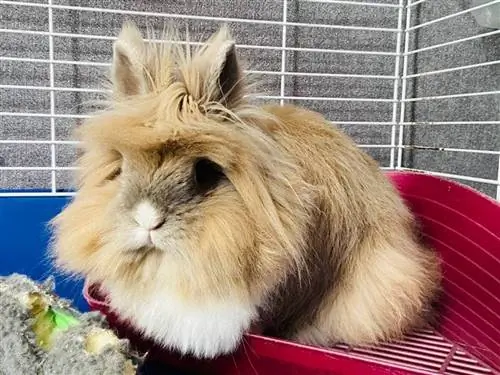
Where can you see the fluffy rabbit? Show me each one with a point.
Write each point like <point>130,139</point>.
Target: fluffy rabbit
<point>202,215</point>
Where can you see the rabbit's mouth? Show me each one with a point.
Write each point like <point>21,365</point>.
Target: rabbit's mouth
<point>143,251</point>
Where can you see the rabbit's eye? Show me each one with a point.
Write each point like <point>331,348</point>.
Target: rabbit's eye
<point>207,174</point>
<point>116,172</point>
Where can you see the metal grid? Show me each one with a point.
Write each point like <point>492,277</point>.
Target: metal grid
<point>41,161</point>
<point>424,352</point>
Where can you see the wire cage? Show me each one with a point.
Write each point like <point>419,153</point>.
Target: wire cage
<point>414,82</point>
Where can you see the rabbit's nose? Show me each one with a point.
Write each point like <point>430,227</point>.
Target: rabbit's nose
<point>148,217</point>
<point>158,224</point>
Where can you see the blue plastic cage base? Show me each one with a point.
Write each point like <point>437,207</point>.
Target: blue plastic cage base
<point>24,246</point>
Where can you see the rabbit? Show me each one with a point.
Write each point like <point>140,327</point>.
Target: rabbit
<point>202,214</point>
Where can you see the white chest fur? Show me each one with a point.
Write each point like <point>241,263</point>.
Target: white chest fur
<point>204,329</point>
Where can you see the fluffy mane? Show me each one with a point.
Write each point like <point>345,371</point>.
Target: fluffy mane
<point>187,78</point>
<point>172,104</point>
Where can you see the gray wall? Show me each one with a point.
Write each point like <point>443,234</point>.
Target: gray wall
<point>485,108</point>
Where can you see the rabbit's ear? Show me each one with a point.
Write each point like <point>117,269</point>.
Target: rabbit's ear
<point>220,68</point>
<point>127,70</point>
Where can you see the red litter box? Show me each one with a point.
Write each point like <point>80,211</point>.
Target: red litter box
<point>464,227</point>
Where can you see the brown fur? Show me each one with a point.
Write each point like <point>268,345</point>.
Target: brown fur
<point>304,225</point>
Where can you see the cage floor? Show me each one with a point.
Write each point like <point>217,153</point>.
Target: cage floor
<point>423,351</point>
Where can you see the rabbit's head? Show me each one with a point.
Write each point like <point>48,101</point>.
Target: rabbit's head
<point>180,185</point>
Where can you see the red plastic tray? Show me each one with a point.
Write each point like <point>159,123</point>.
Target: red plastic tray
<point>464,227</point>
